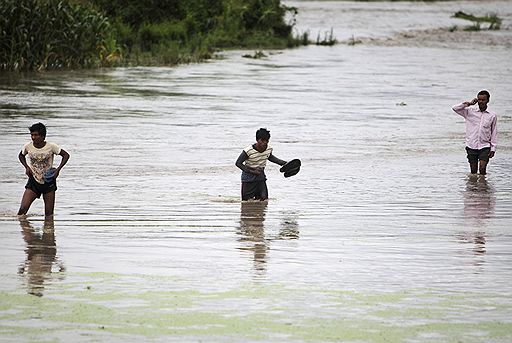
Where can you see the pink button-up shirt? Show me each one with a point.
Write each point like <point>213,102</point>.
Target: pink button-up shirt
<point>480,126</point>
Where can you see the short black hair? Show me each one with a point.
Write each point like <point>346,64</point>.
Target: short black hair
<point>484,92</point>
<point>263,133</point>
<point>38,127</point>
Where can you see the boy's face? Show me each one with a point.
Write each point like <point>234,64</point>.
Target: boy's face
<point>36,137</point>
<point>261,144</point>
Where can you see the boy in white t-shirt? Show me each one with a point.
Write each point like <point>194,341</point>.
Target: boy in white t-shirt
<point>39,169</point>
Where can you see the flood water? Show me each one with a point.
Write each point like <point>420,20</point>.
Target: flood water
<point>382,236</point>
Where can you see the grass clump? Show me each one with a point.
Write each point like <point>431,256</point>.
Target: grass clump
<point>493,21</point>
<point>257,55</point>
<point>327,40</point>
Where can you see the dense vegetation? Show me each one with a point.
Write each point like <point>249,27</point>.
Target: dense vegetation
<point>36,34</point>
<point>50,34</point>
<point>174,31</point>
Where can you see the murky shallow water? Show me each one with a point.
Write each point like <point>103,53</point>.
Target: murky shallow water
<point>382,236</point>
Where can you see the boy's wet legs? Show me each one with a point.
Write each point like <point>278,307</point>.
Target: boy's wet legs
<point>49,203</point>
<point>256,190</point>
<point>28,198</point>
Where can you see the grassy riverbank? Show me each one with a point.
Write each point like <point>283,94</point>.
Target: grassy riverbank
<point>55,34</point>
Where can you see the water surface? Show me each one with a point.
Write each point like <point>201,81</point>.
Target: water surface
<point>382,236</point>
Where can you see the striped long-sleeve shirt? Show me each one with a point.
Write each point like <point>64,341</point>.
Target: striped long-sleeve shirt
<point>250,158</point>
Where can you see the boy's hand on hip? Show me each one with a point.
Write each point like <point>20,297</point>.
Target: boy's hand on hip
<point>491,154</point>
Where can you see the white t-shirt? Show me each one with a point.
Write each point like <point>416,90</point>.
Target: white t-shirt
<point>40,160</point>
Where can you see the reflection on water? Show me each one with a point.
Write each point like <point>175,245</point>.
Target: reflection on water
<point>289,227</point>
<point>252,232</point>
<point>479,199</point>
<point>41,260</point>
<point>479,207</point>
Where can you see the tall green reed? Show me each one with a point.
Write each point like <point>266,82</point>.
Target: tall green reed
<point>52,34</point>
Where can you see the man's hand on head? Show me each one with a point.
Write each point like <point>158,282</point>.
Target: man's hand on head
<point>470,103</point>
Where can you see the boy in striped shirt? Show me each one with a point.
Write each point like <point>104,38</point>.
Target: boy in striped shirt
<point>252,162</point>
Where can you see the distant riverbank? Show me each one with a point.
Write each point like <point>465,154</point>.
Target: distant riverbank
<point>57,34</point>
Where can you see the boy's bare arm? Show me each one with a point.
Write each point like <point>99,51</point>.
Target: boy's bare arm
<point>23,161</point>
<point>65,158</point>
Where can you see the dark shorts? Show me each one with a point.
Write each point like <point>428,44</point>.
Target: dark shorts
<point>38,188</point>
<point>475,155</point>
<point>254,190</point>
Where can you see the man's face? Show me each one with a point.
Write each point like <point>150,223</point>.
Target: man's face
<point>261,144</point>
<point>482,102</point>
<point>37,138</point>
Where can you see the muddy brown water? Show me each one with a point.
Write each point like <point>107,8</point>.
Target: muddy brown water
<point>382,236</point>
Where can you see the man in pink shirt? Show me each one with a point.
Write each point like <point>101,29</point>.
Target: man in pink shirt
<point>481,134</point>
